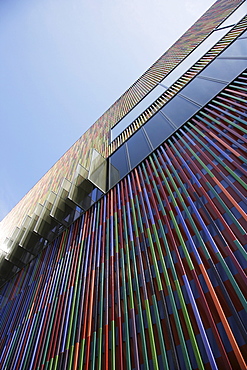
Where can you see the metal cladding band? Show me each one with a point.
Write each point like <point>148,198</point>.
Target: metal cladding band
<point>152,276</point>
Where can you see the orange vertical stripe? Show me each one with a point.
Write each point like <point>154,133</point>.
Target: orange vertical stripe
<point>224,321</point>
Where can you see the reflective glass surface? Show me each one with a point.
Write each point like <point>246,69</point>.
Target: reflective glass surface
<point>201,90</point>
<point>179,110</point>
<point>138,148</point>
<point>96,194</point>
<point>243,35</point>
<point>196,54</point>
<point>118,165</point>
<point>158,129</point>
<point>136,111</point>
<point>224,69</point>
<point>237,49</point>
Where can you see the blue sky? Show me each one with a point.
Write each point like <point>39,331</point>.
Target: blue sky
<point>63,63</point>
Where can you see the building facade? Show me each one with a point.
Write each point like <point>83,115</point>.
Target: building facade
<point>130,253</point>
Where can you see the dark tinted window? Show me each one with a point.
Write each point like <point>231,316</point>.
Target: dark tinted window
<point>138,148</point>
<point>225,69</point>
<point>158,129</point>
<point>179,110</point>
<point>201,90</point>
<point>118,165</point>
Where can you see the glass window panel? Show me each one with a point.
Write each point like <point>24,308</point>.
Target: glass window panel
<point>138,148</point>
<point>201,91</point>
<point>179,110</point>
<point>225,69</point>
<point>243,35</point>
<point>237,49</point>
<point>196,54</point>
<point>182,67</point>
<point>136,111</point>
<point>158,129</point>
<point>96,194</point>
<point>118,165</point>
